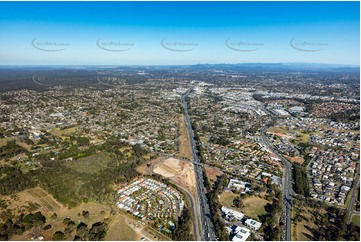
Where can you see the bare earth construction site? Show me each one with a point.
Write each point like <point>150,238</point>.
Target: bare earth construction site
<point>178,171</point>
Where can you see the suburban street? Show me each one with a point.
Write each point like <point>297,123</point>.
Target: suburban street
<point>206,225</point>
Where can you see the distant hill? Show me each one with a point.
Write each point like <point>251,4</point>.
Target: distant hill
<point>19,77</point>
<point>280,67</point>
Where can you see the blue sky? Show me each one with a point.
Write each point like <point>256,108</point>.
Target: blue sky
<point>159,33</point>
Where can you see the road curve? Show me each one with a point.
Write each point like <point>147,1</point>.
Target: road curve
<point>194,207</point>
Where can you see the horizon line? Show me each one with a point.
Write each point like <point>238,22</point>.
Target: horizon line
<point>205,63</point>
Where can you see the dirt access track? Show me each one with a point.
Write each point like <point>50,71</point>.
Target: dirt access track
<point>178,171</point>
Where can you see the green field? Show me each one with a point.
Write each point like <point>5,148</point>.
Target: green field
<point>302,138</point>
<point>356,220</point>
<point>273,129</point>
<point>298,136</point>
<point>226,199</point>
<point>254,206</point>
<point>91,164</point>
<point>121,231</point>
<point>4,141</point>
<point>63,132</point>
<point>204,139</point>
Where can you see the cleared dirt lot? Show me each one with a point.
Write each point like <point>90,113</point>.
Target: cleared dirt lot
<point>146,168</point>
<point>168,168</point>
<point>298,160</point>
<point>212,173</point>
<point>179,171</point>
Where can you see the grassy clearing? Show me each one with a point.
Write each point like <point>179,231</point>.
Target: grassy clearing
<point>183,139</point>
<point>302,233</point>
<point>348,197</point>
<point>37,193</point>
<point>298,136</point>
<point>30,200</point>
<point>63,132</point>
<point>122,149</point>
<point>4,141</point>
<point>44,199</point>
<point>26,146</point>
<point>91,164</point>
<point>121,231</point>
<point>356,220</point>
<point>212,173</point>
<point>226,199</point>
<point>155,235</point>
<point>302,137</point>
<point>277,130</point>
<point>95,215</point>
<point>254,206</point>
<point>127,151</point>
<point>302,221</point>
<point>204,139</point>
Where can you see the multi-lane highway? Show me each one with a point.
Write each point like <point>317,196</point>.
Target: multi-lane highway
<point>206,225</point>
<point>287,186</point>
